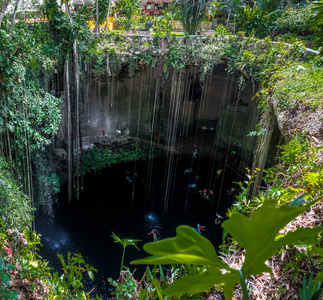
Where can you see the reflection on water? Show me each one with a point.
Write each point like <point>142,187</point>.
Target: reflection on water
<point>85,226</point>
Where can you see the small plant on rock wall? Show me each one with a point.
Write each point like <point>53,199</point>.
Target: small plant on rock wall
<point>97,158</point>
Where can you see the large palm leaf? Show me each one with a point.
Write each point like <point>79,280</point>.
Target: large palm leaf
<point>193,12</point>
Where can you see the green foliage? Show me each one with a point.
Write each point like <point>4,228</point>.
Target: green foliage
<point>33,272</point>
<point>126,287</point>
<point>15,207</point>
<point>120,23</point>
<point>317,21</point>
<point>163,24</point>
<point>193,13</point>
<point>256,22</point>
<point>129,8</point>
<point>71,281</point>
<point>310,291</point>
<point>299,170</point>
<point>230,8</point>
<point>295,20</point>
<point>103,7</point>
<point>124,242</point>
<point>46,180</point>
<point>97,158</point>
<point>28,115</point>
<point>256,234</point>
<point>271,5</point>
<point>5,279</point>
<point>298,87</point>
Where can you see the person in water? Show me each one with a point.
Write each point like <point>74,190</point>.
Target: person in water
<point>218,172</point>
<point>154,233</point>
<point>195,153</point>
<point>230,191</point>
<point>199,228</point>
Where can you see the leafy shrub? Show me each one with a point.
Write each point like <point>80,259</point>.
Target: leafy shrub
<point>256,234</point>
<point>97,158</point>
<point>256,21</point>
<point>295,20</point>
<point>163,23</point>
<point>32,275</point>
<point>120,23</point>
<point>271,5</point>
<point>15,207</point>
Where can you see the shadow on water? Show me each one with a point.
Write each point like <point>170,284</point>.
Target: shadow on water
<point>85,226</point>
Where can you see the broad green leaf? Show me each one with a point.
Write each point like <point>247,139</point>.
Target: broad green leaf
<point>188,247</point>
<point>319,276</point>
<point>257,233</point>
<point>198,283</point>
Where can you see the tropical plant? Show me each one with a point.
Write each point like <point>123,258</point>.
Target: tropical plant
<point>5,279</point>
<point>257,234</point>
<point>163,24</point>
<point>317,20</point>
<point>295,20</point>
<point>192,13</point>
<point>270,5</point>
<point>126,287</point>
<point>310,290</point>
<point>230,8</point>
<point>15,206</point>
<point>103,8</point>
<point>129,8</point>
<point>124,242</point>
<point>73,268</point>
<point>256,22</point>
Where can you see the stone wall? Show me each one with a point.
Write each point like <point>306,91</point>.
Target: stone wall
<point>179,112</point>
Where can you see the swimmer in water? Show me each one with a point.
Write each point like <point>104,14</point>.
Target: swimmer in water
<point>154,233</point>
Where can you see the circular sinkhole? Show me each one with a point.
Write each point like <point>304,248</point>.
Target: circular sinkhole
<point>131,200</point>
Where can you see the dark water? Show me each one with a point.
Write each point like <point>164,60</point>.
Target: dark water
<point>129,200</point>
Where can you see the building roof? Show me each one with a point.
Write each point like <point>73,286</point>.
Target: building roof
<point>82,2</point>
<point>144,2</point>
<point>156,1</point>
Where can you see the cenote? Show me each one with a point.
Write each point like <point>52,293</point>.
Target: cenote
<point>197,148</point>
<point>125,200</point>
<point>130,134</point>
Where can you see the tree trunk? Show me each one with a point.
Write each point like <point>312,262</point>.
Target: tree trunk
<point>3,9</point>
<point>69,14</point>
<point>13,17</point>
<point>97,27</point>
<point>107,28</point>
